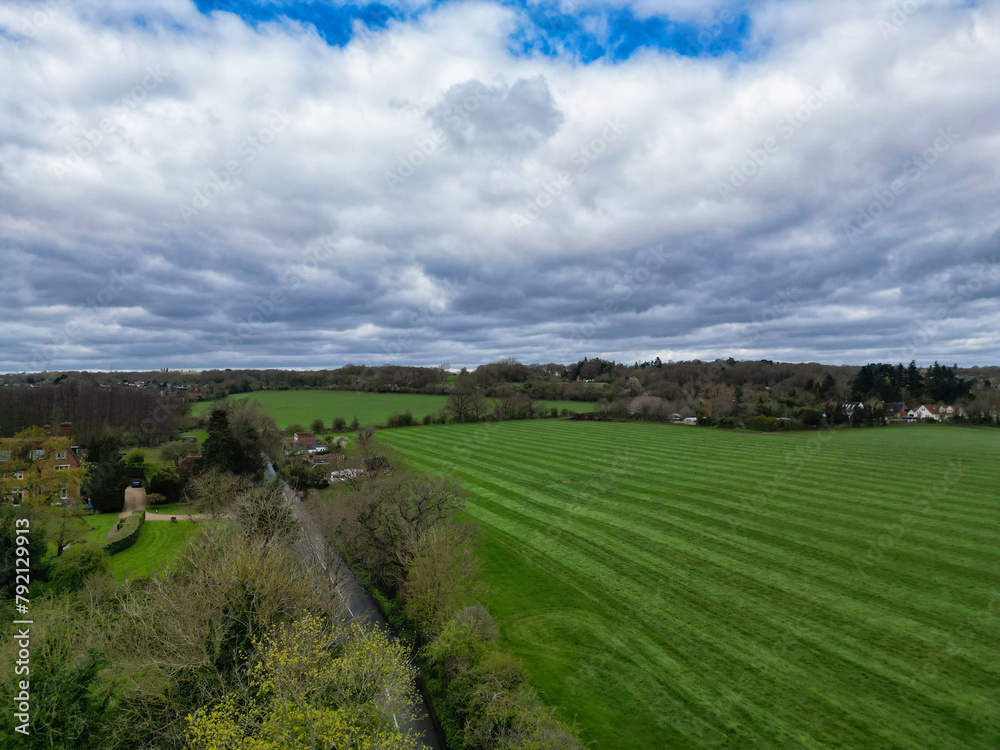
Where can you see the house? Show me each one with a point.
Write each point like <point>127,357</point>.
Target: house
<point>301,443</point>
<point>851,406</point>
<point>932,411</point>
<point>186,464</point>
<point>896,410</point>
<point>46,467</point>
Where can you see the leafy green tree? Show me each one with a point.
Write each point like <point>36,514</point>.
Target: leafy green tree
<point>317,426</point>
<point>177,450</point>
<point>72,569</point>
<point>166,482</point>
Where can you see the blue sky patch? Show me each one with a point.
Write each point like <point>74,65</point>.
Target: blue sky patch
<point>589,35</point>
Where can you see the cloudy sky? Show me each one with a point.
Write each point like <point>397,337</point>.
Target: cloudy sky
<point>305,184</point>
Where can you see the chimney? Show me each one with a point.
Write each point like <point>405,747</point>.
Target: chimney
<point>65,429</point>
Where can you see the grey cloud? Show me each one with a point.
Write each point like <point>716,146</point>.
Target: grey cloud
<point>504,120</point>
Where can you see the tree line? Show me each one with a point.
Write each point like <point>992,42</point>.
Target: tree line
<point>145,415</point>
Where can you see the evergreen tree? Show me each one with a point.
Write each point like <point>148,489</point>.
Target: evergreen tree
<point>107,476</point>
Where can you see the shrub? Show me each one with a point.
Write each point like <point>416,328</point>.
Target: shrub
<point>75,566</point>
<point>400,420</point>
<point>128,533</point>
<point>811,417</point>
<point>428,419</point>
<point>766,424</point>
<point>166,482</point>
<point>317,426</point>
<point>153,498</point>
<point>339,424</point>
<point>554,412</point>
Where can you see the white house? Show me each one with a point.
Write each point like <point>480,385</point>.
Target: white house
<point>932,411</point>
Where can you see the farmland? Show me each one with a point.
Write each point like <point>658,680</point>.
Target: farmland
<point>302,407</point>
<point>670,586</point>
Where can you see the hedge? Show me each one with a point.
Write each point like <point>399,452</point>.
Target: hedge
<point>128,533</point>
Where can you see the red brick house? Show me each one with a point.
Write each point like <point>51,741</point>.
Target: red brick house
<point>40,465</point>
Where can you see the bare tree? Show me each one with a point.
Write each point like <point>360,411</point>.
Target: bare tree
<point>215,491</point>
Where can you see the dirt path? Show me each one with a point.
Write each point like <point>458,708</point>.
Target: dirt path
<point>152,515</point>
<point>135,499</point>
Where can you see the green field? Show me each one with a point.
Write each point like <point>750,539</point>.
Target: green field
<point>158,543</point>
<point>302,407</point>
<point>673,586</point>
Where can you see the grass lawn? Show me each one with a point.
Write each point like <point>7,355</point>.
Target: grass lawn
<point>96,526</point>
<point>171,509</point>
<point>302,407</point>
<point>158,543</point>
<point>674,587</point>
